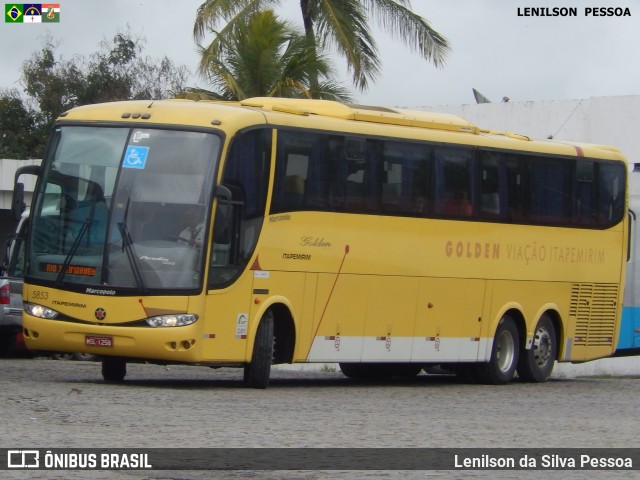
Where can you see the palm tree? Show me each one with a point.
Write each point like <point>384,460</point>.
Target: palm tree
<point>340,24</point>
<point>265,57</point>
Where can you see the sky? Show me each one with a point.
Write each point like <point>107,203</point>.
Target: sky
<point>496,49</point>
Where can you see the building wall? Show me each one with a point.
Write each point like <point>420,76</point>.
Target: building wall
<point>611,121</point>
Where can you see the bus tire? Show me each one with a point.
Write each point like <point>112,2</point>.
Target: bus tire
<point>504,354</point>
<point>114,369</point>
<point>258,370</point>
<point>536,364</point>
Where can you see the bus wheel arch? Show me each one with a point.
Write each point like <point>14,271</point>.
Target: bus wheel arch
<point>284,332</point>
<point>536,363</point>
<point>518,318</point>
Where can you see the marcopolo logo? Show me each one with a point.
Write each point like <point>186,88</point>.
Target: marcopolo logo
<point>23,459</point>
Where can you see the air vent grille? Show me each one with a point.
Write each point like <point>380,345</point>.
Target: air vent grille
<point>594,310</point>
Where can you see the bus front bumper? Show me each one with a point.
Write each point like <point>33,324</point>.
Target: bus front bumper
<point>171,344</point>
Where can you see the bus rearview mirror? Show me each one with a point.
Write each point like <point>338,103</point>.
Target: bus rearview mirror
<point>222,222</point>
<point>17,202</point>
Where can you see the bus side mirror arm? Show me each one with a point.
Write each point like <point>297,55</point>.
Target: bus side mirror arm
<point>223,193</point>
<point>17,201</point>
<point>222,222</point>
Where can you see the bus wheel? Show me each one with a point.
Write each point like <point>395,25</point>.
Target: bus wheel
<point>504,354</point>
<point>258,370</point>
<point>113,369</point>
<point>536,364</point>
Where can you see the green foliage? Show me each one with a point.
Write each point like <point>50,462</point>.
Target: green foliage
<point>17,136</point>
<point>266,57</point>
<point>341,25</point>
<point>52,85</point>
<point>117,71</point>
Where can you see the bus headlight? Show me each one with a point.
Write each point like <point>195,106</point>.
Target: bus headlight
<point>39,311</point>
<point>179,320</point>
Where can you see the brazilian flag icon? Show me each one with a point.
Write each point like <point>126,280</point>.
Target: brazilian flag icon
<point>13,13</point>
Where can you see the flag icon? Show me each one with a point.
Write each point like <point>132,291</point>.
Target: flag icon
<point>13,13</point>
<point>32,13</point>
<point>50,13</point>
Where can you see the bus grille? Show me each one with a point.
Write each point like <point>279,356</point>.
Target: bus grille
<point>594,310</point>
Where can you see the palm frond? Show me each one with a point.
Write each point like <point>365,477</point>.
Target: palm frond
<point>397,18</point>
<point>343,25</point>
<point>215,12</point>
<point>266,56</point>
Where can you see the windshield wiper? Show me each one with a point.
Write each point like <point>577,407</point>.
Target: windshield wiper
<point>76,243</point>
<point>127,246</point>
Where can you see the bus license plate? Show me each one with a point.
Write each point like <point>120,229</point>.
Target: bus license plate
<point>98,341</point>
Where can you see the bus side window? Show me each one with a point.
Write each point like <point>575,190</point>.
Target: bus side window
<point>548,184</point>
<point>405,179</point>
<point>294,187</point>
<point>513,187</point>
<point>583,211</point>
<point>490,205</point>
<point>294,191</point>
<point>392,199</point>
<point>611,181</point>
<point>453,186</point>
<point>358,179</point>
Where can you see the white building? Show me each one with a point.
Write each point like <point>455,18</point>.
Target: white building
<point>611,121</point>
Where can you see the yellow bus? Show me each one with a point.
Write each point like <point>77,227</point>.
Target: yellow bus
<point>273,231</point>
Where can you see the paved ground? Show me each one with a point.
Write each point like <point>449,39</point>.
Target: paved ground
<point>57,404</point>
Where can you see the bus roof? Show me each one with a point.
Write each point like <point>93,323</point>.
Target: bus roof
<point>363,113</point>
<point>324,114</point>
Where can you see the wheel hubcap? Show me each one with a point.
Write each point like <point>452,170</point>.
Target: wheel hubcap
<point>505,351</point>
<point>541,347</point>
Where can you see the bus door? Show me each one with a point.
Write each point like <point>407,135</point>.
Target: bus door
<point>242,198</point>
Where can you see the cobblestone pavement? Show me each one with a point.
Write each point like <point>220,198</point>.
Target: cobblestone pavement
<point>65,404</point>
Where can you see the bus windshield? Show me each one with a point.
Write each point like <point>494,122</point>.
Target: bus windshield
<point>125,208</point>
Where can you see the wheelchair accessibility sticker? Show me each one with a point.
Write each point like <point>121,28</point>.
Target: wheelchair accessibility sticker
<point>135,157</point>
